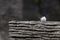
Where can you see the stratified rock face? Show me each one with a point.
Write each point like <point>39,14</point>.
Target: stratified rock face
<point>34,30</point>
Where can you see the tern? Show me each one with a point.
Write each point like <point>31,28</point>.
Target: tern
<point>43,19</point>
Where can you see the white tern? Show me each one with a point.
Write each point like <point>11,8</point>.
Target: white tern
<point>43,19</point>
